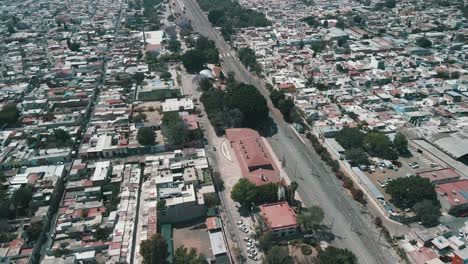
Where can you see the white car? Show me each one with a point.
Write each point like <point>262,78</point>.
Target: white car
<point>248,244</point>
<point>252,257</point>
<point>239,223</point>
<point>244,229</point>
<point>252,251</point>
<point>248,239</point>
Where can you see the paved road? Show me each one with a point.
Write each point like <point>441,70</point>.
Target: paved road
<point>317,185</point>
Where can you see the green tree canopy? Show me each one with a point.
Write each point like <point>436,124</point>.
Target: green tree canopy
<point>427,212</point>
<point>249,101</point>
<point>22,197</point>
<point>146,136</point>
<point>357,155</point>
<point>184,256</point>
<point>407,191</point>
<point>378,144</point>
<point>424,42</point>
<point>193,60</point>
<point>278,255</point>
<point>247,193</point>
<point>390,3</point>
<point>154,250</point>
<point>350,137</point>
<point>174,129</point>
<point>400,143</point>
<point>61,135</point>
<point>333,255</point>
<point>9,114</point>
<point>265,241</point>
<point>310,218</point>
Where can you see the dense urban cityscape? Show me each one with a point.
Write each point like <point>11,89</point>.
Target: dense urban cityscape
<point>223,131</point>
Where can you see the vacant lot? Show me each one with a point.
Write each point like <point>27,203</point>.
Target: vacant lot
<point>193,235</point>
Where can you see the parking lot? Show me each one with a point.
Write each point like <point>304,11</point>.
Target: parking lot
<point>383,175</point>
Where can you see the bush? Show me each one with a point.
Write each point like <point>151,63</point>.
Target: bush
<point>306,250</point>
<point>347,183</point>
<point>378,221</point>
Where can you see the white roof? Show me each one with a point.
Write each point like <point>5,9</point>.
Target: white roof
<point>217,243</point>
<point>102,168</point>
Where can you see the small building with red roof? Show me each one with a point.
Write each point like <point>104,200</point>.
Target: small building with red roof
<point>280,219</point>
<point>453,197</point>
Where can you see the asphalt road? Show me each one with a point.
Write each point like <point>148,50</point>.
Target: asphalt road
<point>317,185</point>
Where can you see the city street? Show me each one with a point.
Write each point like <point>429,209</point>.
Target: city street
<point>317,185</point>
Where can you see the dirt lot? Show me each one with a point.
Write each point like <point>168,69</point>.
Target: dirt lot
<point>152,117</point>
<point>193,235</point>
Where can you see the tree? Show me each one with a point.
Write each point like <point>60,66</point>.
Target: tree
<point>350,137</point>
<point>139,77</point>
<point>424,42</point>
<point>333,255</point>
<point>61,135</point>
<point>184,256</point>
<point>165,75</point>
<point>407,191</point>
<point>400,143</point>
<point>233,118</point>
<point>278,255</point>
<point>193,61</point>
<point>9,114</point>
<point>356,155</point>
<point>378,144</point>
<point>249,101</point>
<point>325,23</point>
<point>154,250</point>
<point>427,212</point>
<point>173,45</point>
<point>33,231</point>
<point>309,219</point>
<point>265,241</point>
<point>22,197</point>
<point>276,96</point>
<point>286,106</point>
<point>174,129</point>
<point>244,192</point>
<point>247,57</point>
<point>390,3</point>
<point>145,136</point>
<point>217,17</point>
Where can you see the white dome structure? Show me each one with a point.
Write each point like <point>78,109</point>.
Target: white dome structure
<point>207,73</point>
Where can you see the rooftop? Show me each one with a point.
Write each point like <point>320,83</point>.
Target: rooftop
<point>278,215</point>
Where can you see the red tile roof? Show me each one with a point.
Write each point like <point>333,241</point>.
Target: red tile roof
<point>278,215</point>
<point>456,192</point>
<point>440,174</point>
<point>253,155</point>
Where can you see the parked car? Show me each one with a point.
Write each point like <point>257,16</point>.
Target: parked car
<point>382,169</point>
<point>249,244</point>
<point>434,165</point>
<point>248,239</point>
<point>381,184</point>
<point>252,251</point>
<point>372,168</point>
<point>239,223</point>
<point>252,257</point>
<point>363,167</point>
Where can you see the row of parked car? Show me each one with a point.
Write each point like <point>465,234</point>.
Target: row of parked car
<point>249,243</point>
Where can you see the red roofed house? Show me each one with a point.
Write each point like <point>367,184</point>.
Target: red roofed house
<point>280,219</point>
<point>255,160</point>
<point>440,175</point>
<point>453,197</point>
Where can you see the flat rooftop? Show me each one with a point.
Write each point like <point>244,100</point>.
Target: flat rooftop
<point>278,215</point>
